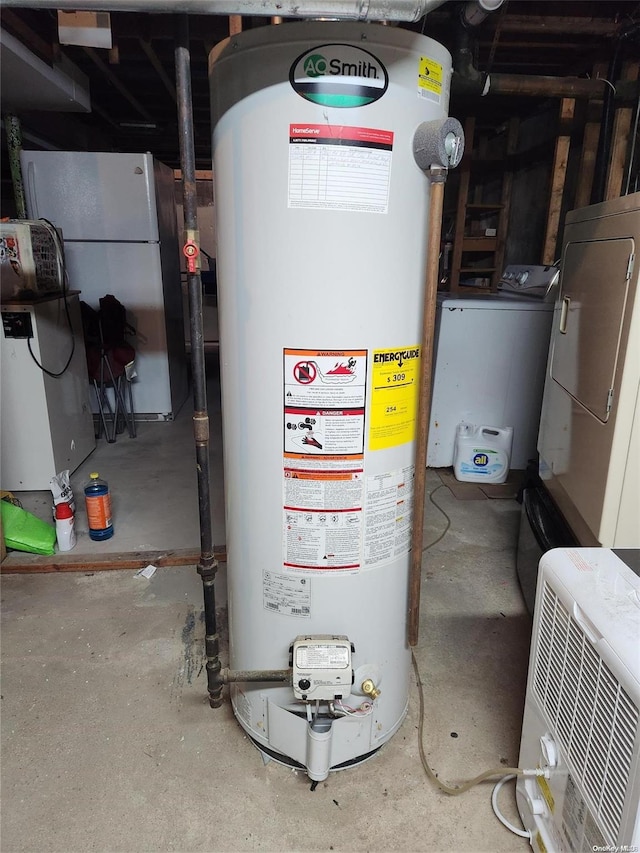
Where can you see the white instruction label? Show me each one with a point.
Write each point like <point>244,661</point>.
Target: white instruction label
<point>322,657</point>
<point>388,513</point>
<point>286,595</point>
<point>322,540</point>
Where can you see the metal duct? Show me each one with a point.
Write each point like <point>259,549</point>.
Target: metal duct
<point>476,11</point>
<point>355,10</point>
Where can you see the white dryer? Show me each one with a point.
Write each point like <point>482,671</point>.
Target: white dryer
<point>589,439</point>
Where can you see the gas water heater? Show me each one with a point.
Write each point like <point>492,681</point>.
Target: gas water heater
<point>322,221</point>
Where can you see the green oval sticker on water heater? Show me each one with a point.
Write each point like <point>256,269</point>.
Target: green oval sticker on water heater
<point>339,75</point>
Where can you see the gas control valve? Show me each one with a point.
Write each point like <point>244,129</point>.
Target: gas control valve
<point>322,667</point>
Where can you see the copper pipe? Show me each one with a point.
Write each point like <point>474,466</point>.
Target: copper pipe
<point>438,177</point>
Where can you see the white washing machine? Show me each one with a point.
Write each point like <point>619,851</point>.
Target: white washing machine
<point>490,354</point>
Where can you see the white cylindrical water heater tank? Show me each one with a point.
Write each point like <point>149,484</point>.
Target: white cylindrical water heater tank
<point>321,217</point>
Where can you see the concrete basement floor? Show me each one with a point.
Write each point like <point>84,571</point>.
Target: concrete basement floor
<point>108,741</point>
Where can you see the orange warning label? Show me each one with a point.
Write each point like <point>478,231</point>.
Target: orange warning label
<point>98,511</point>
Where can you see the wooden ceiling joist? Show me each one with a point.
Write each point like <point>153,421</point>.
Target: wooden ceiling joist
<point>154,59</point>
<point>117,84</point>
<point>558,25</point>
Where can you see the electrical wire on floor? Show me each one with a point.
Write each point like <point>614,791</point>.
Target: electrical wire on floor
<point>449,789</point>
<point>439,508</point>
<point>64,280</point>
<point>506,773</point>
<point>523,833</point>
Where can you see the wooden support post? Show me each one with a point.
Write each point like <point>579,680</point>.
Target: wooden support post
<point>507,184</point>
<point>620,138</point>
<point>590,144</point>
<point>560,159</point>
<point>235,24</point>
<point>461,211</point>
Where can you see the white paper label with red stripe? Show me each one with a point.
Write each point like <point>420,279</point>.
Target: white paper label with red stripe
<point>339,167</point>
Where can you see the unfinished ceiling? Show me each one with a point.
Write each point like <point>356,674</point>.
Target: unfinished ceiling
<point>132,85</point>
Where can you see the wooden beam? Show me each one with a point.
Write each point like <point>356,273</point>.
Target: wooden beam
<point>589,145</point>
<point>104,115</point>
<point>520,44</point>
<point>158,67</point>
<point>543,86</point>
<point>620,139</point>
<point>18,562</point>
<point>235,24</point>
<point>558,177</point>
<point>201,174</point>
<point>558,25</point>
<point>108,73</point>
<point>27,36</point>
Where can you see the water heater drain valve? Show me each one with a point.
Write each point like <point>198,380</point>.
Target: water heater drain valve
<point>322,667</point>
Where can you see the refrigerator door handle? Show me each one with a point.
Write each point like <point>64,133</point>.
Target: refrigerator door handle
<point>31,190</point>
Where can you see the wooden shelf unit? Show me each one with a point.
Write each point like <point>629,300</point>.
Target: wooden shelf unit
<point>475,253</point>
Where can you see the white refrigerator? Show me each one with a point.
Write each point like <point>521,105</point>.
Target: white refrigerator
<point>118,218</point>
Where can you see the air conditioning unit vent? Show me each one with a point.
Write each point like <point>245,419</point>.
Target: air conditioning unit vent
<point>593,717</point>
<point>581,718</point>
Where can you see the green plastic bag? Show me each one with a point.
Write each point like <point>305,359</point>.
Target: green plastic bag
<point>24,532</point>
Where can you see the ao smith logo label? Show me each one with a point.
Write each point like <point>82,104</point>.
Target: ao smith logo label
<point>318,66</point>
<point>339,75</point>
<point>399,357</point>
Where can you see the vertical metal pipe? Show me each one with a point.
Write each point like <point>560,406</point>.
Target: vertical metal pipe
<point>14,146</point>
<point>438,177</point>
<point>207,566</point>
<point>632,153</point>
<point>606,129</point>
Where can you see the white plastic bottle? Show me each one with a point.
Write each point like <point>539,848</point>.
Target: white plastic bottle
<point>482,453</point>
<point>65,527</point>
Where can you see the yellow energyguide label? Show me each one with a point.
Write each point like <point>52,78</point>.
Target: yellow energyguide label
<point>546,792</point>
<point>430,75</point>
<point>394,396</point>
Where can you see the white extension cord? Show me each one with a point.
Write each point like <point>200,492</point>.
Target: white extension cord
<point>523,833</point>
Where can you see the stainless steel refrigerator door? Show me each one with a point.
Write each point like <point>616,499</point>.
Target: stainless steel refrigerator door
<point>93,195</point>
<point>133,274</point>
